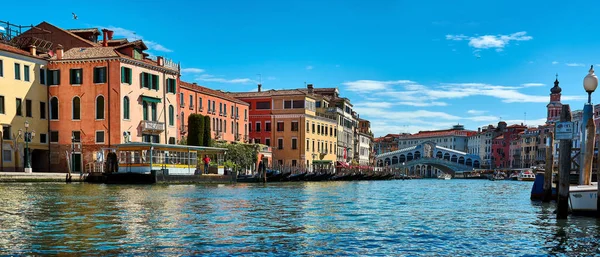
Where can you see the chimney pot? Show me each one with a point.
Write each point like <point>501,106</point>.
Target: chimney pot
<point>109,34</point>
<point>259,87</point>
<point>32,50</point>
<point>59,52</point>
<point>159,61</point>
<point>310,88</point>
<point>104,35</point>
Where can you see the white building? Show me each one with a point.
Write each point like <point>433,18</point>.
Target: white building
<point>364,148</point>
<point>456,138</point>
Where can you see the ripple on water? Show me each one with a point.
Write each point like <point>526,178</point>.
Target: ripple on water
<point>374,218</point>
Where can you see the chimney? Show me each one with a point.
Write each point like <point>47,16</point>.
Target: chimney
<point>32,50</point>
<point>310,88</point>
<point>259,87</point>
<point>159,61</point>
<point>104,35</point>
<point>59,51</point>
<point>109,34</point>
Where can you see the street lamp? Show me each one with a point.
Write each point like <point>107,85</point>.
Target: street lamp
<point>590,83</point>
<point>27,137</point>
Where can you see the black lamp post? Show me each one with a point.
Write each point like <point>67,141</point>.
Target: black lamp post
<point>27,137</point>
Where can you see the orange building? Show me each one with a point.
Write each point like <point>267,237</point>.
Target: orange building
<point>229,116</point>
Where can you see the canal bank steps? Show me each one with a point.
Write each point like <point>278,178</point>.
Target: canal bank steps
<point>37,177</point>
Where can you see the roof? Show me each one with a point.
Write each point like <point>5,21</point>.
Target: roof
<point>88,53</point>
<point>138,42</point>
<point>217,93</point>
<point>85,30</point>
<point>70,33</point>
<point>274,92</point>
<point>438,133</point>
<point>15,50</point>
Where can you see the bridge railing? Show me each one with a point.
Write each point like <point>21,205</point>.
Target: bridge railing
<point>431,158</point>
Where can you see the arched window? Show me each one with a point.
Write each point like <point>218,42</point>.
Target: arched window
<point>100,107</point>
<point>182,122</point>
<point>171,115</point>
<point>76,108</point>
<point>126,108</point>
<point>153,111</point>
<point>54,108</point>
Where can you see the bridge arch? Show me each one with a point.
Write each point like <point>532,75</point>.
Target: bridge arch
<point>409,157</point>
<point>469,162</point>
<point>461,160</point>
<point>394,160</point>
<point>447,156</point>
<point>402,158</point>
<point>439,154</point>
<point>476,164</point>
<point>379,163</point>
<point>454,158</point>
<point>387,162</point>
<point>417,155</point>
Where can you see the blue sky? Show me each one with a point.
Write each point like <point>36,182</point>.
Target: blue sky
<point>406,65</point>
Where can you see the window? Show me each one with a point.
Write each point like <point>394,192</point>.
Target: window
<point>307,126</point>
<point>209,107</point>
<point>19,107</point>
<point>43,138</point>
<point>225,110</point>
<point>280,126</point>
<point>232,113</point>
<point>313,128</point>
<point>263,105</point>
<point>26,72</point>
<point>53,136</point>
<point>126,75</point>
<point>126,108</point>
<point>76,76</point>
<point>245,115</point>
<point>258,127</point>
<point>220,109</point>
<point>232,127</point>
<point>200,103</point>
<point>7,155</point>
<point>43,110</point>
<point>144,110</point>
<point>6,132</point>
<point>53,77</point>
<point>287,104</point>
<point>100,137</point>
<point>99,74</point>
<point>294,126</point>
<point>294,163</point>
<point>150,138</point>
<point>298,104</point>
<point>54,108</point>
<point>76,136</point>
<point>267,126</point>
<point>171,115</point>
<point>42,76</point>
<point>100,107</point>
<point>149,81</point>
<point>153,109</point>
<point>171,86</point>
<point>307,145</point>
<point>294,143</point>
<point>17,71</point>
<point>191,102</point>
<point>2,105</point>
<point>257,140</point>
<point>213,107</point>
<point>318,129</point>
<point>1,68</point>
<point>28,108</point>
<point>172,140</point>
<point>181,100</point>
<point>268,141</point>
<point>280,143</point>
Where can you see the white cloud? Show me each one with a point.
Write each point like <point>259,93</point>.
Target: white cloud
<point>309,67</point>
<point>533,85</point>
<point>573,64</point>
<point>554,62</point>
<point>476,112</point>
<point>191,70</point>
<point>497,42</point>
<point>131,36</point>
<point>373,85</point>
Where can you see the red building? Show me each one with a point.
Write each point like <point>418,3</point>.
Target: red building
<point>501,144</point>
<point>229,116</point>
<point>260,129</point>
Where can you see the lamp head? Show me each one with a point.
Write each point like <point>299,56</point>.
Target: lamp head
<point>590,82</point>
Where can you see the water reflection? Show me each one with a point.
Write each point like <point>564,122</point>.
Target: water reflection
<point>420,217</point>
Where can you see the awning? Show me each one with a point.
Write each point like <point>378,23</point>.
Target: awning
<point>321,161</point>
<point>150,99</point>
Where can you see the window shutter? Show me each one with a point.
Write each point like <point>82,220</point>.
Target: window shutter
<point>157,82</point>
<point>57,77</point>
<point>129,76</point>
<point>122,74</point>
<point>142,79</point>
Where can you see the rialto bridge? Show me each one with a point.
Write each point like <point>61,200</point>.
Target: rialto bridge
<point>429,160</point>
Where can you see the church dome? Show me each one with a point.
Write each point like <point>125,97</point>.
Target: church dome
<point>556,89</point>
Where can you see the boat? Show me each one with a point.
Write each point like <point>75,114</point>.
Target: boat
<point>583,198</point>
<point>445,176</point>
<point>526,176</point>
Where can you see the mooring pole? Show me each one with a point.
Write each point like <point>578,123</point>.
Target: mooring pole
<point>589,152</point>
<point>564,164</point>
<point>549,168</point>
<point>598,180</point>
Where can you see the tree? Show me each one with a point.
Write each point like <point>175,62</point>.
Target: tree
<point>241,155</point>
<point>194,130</point>
<point>201,131</point>
<point>207,135</point>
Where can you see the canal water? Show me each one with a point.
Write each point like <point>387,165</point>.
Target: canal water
<point>416,218</point>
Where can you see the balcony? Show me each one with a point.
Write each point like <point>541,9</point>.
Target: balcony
<point>152,127</point>
<point>191,107</point>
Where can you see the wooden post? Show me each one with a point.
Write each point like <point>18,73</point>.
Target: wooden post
<point>549,168</point>
<point>564,164</point>
<point>588,156</point>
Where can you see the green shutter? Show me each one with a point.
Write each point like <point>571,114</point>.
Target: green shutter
<point>129,76</point>
<point>145,110</point>
<point>157,82</point>
<point>142,80</point>
<point>122,74</point>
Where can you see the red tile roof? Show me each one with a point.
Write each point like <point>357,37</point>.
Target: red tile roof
<point>15,50</point>
<point>208,91</point>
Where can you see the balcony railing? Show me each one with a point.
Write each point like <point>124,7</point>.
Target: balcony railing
<point>152,127</point>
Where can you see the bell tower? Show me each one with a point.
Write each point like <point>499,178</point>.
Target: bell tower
<point>555,106</point>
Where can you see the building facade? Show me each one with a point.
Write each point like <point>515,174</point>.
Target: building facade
<point>455,138</point>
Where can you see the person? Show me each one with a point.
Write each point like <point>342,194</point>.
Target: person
<point>206,163</point>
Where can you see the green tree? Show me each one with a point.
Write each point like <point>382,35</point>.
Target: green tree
<point>201,131</point>
<point>207,135</point>
<point>194,130</point>
<point>240,155</point>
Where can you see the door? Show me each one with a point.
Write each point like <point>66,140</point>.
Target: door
<point>76,158</point>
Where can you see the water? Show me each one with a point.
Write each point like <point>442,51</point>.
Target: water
<point>418,217</point>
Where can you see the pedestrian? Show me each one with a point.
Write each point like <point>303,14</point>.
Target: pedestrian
<point>206,163</point>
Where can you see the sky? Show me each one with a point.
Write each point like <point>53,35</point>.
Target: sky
<point>406,66</point>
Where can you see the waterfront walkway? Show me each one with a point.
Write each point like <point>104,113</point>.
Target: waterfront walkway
<point>36,177</point>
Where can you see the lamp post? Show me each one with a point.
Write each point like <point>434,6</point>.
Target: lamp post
<point>590,83</point>
<point>27,137</point>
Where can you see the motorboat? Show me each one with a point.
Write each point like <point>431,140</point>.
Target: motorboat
<point>583,198</point>
<point>526,176</point>
<point>445,176</point>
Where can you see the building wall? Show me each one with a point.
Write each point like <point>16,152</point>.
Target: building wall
<point>88,125</point>
<point>262,116</point>
<point>11,156</point>
<point>364,146</point>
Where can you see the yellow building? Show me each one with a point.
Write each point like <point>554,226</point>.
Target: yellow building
<point>23,98</point>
